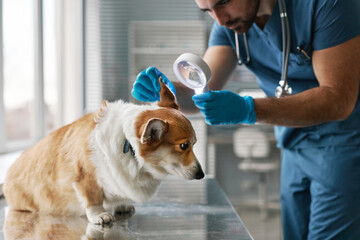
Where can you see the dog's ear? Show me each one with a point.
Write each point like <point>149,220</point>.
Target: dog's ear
<point>154,130</point>
<point>167,97</point>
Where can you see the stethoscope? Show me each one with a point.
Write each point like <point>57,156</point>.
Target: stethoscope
<point>283,89</point>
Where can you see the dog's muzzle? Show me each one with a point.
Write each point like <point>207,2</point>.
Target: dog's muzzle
<point>199,173</point>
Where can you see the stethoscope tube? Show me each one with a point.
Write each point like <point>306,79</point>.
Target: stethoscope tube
<point>248,59</point>
<point>283,89</point>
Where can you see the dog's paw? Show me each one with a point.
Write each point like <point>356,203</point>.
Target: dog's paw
<point>129,209</point>
<point>98,215</point>
<point>124,212</point>
<point>103,218</point>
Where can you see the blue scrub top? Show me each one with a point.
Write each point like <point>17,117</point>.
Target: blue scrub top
<point>314,25</point>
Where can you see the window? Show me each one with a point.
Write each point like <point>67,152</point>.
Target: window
<point>18,55</point>
<point>29,86</point>
<point>51,81</point>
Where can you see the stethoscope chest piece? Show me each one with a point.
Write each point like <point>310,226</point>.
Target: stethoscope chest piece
<point>283,89</point>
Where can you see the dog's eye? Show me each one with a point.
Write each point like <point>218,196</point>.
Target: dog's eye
<point>184,146</point>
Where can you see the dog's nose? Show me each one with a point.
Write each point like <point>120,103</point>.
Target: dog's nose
<point>199,174</point>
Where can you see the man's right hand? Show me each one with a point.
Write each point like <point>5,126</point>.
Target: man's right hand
<point>146,87</point>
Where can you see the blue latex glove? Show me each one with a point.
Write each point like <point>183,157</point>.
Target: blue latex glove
<point>146,87</point>
<point>225,107</point>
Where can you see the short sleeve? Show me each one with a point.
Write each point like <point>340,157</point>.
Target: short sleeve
<point>335,22</point>
<point>218,36</point>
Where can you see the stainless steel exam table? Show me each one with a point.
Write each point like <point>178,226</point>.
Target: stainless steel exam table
<point>181,209</point>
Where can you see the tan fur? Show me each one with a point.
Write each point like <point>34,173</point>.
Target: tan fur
<point>65,149</point>
<point>98,115</point>
<point>168,99</point>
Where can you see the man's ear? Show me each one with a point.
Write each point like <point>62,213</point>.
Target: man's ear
<point>154,130</point>
<point>167,97</point>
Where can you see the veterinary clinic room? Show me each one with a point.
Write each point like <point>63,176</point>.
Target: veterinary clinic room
<point>180,119</point>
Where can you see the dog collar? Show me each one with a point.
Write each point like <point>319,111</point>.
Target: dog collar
<point>127,147</point>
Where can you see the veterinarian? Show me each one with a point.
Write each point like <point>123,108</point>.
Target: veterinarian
<point>317,123</point>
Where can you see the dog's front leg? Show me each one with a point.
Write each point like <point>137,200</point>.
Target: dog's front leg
<point>91,197</point>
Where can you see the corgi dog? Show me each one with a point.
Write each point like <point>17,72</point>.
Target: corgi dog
<point>99,164</point>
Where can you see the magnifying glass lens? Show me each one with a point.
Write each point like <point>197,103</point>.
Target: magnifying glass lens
<point>192,75</point>
<point>192,71</point>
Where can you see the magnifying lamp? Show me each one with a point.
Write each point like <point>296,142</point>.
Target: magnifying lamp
<point>193,72</point>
